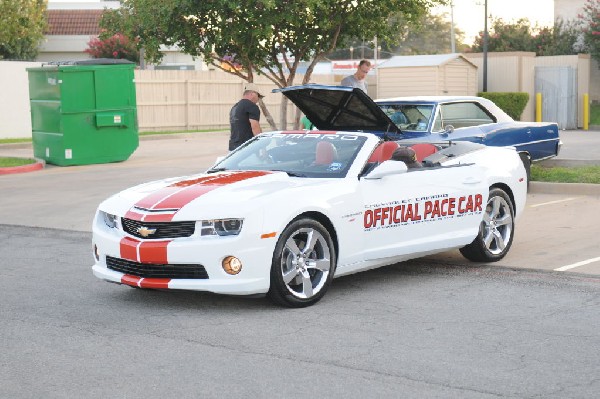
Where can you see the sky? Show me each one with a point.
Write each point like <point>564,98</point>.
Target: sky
<point>469,14</point>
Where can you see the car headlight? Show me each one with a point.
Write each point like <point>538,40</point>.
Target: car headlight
<point>221,227</point>
<point>109,219</point>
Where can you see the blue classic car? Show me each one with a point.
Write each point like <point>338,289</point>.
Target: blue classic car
<point>432,119</point>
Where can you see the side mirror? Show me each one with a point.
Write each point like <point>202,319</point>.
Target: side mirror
<point>387,168</point>
<point>448,129</point>
<point>219,159</point>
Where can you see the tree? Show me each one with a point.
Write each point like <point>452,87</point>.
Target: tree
<point>115,46</point>
<point>248,37</point>
<point>22,25</point>
<point>561,39</point>
<point>429,34</point>
<point>516,36</point>
<point>591,27</point>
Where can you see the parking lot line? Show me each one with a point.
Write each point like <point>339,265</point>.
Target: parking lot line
<point>554,202</point>
<point>574,265</point>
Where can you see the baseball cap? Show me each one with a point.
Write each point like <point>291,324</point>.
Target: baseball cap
<point>253,87</point>
<point>406,155</point>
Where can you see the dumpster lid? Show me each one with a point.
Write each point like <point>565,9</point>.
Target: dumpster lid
<point>103,61</point>
<point>91,61</point>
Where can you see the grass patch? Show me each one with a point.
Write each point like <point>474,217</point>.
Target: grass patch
<point>595,114</point>
<point>182,131</point>
<point>582,174</point>
<point>11,141</point>
<point>7,162</point>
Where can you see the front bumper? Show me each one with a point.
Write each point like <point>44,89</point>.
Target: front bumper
<point>245,286</point>
<point>255,253</point>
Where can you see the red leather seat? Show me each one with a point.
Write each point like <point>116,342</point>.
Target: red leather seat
<point>325,153</point>
<point>383,152</point>
<point>423,150</point>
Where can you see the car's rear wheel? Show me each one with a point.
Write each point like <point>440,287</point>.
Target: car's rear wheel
<point>495,231</point>
<point>303,264</point>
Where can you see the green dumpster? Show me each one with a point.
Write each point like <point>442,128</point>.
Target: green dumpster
<point>83,112</point>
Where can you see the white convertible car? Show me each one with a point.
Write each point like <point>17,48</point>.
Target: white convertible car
<point>288,211</point>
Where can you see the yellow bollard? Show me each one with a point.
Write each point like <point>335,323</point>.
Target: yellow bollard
<point>538,107</point>
<point>586,111</point>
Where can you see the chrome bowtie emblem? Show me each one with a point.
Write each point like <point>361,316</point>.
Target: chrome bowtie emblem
<point>145,232</point>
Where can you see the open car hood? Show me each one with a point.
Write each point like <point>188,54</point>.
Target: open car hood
<point>339,108</point>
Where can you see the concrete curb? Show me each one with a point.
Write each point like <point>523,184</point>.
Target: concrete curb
<point>538,187</point>
<point>32,167</point>
<point>568,163</point>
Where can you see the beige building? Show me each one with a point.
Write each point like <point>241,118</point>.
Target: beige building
<point>71,26</point>
<point>441,74</point>
<point>516,72</point>
<point>568,9</point>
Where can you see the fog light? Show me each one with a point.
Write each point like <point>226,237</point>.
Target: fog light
<point>96,253</point>
<point>232,265</point>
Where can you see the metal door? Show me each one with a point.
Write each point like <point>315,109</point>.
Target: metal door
<point>558,86</point>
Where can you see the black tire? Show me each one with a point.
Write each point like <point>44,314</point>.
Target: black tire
<point>496,230</point>
<point>301,273</point>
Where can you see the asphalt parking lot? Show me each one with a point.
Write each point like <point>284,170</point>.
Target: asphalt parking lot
<point>430,327</point>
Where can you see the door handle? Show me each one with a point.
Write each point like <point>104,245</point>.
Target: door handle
<point>471,180</point>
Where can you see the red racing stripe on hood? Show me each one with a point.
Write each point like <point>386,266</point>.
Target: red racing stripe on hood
<point>159,217</point>
<point>177,195</point>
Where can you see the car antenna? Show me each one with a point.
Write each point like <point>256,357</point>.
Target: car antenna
<point>385,135</point>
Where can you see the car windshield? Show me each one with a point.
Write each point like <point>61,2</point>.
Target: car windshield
<point>409,116</point>
<point>297,154</point>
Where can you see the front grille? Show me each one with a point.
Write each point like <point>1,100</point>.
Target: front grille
<point>151,270</point>
<point>163,229</point>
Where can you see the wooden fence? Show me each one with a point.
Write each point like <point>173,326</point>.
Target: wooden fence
<point>170,100</point>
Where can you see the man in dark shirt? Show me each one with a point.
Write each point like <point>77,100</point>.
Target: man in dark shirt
<point>244,117</point>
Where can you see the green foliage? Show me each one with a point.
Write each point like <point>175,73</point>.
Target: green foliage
<point>502,36</point>
<point>269,37</point>
<point>595,114</point>
<point>22,24</point>
<point>15,140</point>
<point>249,37</point>
<point>583,174</point>
<point>591,30</point>
<point>115,46</point>
<point>511,103</point>
<point>429,34</point>
<point>561,39</point>
<point>7,162</point>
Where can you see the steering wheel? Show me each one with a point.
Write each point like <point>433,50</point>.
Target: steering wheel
<point>264,156</point>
